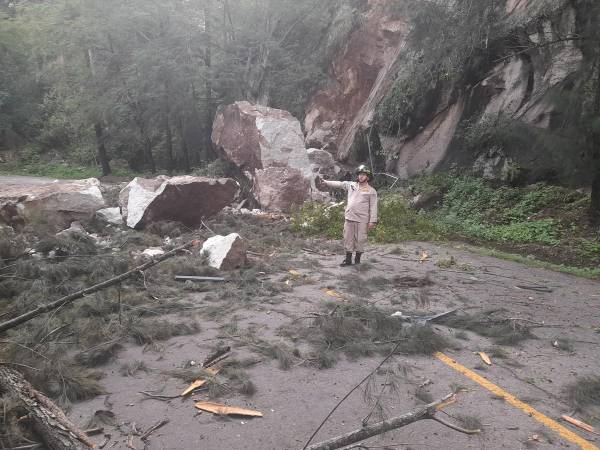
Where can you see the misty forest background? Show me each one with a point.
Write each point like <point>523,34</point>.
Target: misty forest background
<point>139,82</point>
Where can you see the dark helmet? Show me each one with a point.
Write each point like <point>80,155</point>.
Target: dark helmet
<point>364,169</point>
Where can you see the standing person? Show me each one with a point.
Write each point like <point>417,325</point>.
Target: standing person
<point>361,211</point>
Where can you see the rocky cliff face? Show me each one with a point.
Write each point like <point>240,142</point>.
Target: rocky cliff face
<point>357,77</point>
<point>521,86</point>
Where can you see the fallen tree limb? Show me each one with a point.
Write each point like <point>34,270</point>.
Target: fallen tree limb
<point>217,356</point>
<point>426,319</point>
<point>455,427</point>
<point>97,287</point>
<point>348,395</point>
<point>48,420</point>
<point>534,288</point>
<point>426,412</point>
<point>159,397</point>
<point>153,428</point>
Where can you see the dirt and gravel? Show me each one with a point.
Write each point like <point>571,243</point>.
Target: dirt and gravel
<point>295,395</point>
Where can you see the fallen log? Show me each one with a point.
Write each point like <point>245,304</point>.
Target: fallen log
<point>97,287</point>
<point>48,420</point>
<point>426,412</point>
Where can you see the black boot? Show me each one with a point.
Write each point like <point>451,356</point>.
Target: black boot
<point>348,260</point>
<point>357,257</point>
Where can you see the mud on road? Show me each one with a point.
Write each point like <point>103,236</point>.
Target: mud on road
<point>295,395</point>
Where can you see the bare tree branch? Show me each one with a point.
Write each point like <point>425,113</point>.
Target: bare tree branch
<point>426,412</point>
<point>82,293</point>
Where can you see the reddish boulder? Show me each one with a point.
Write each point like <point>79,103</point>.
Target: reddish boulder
<point>256,137</point>
<point>267,144</point>
<point>184,199</point>
<point>280,188</point>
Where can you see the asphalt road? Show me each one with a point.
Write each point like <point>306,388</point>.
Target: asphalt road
<point>16,180</point>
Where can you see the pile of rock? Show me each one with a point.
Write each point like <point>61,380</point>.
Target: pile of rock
<point>267,145</point>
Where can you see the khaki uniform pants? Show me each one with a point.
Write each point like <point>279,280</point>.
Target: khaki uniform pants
<point>355,236</point>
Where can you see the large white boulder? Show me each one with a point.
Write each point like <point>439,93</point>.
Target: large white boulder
<point>225,252</point>
<point>184,199</point>
<point>256,137</point>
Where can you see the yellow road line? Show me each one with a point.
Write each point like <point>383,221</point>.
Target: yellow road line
<point>552,424</point>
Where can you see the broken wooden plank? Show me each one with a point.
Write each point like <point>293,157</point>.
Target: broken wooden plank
<point>212,371</point>
<point>485,358</point>
<point>333,293</point>
<point>579,424</point>
<point>224,410</point>
<point>197,278</point>
<point>192,387</point>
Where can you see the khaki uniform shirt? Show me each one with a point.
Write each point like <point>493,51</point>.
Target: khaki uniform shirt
<point>362,201</point>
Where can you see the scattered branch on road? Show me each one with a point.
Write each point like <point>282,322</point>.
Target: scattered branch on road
<point>426,412</point>
<point>12,323</point>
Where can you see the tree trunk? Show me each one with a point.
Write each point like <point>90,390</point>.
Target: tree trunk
<point>229,28</point>
<point>102,156</point>
<point>209,114</point>
<point>148,154</point>
<point>48,420</point>
<point>184,148</point>
<point>146,142</point>
<point>169,137</point>
<point>197,145</point>
<point>168,133</point>
<point>594,211</point>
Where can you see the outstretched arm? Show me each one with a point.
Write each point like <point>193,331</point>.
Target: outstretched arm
<point>321,183</point>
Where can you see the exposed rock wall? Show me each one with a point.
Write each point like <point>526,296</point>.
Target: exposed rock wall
<point>521,85</point>
<point>427,150</point>
<point>358,76</point>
